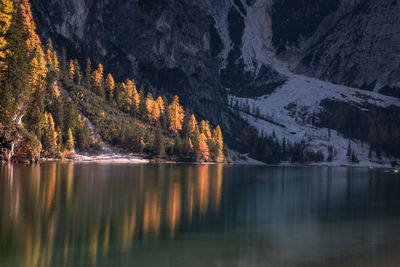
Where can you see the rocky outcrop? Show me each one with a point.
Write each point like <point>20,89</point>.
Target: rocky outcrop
<point>26,148</point>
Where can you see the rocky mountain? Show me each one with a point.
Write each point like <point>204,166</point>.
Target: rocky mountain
<point>210,51</point>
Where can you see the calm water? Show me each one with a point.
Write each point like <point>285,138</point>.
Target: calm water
<point>64,214</point>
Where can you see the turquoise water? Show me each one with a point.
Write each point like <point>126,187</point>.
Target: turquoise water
<point>65,214</point>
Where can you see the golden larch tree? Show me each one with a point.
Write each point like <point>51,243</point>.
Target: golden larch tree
<point>6,11</point>
<point>176,115</point>
<point>153,111</point>
<point>203,147</point>
<point>205,128</point>
<point>71,69</point>
<point>160,103</point>
<point>98,80</point>
<point>217,136</point>
<point>110,86</point>
<point>192,125</point>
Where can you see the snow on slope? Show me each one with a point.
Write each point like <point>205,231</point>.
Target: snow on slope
<point>304,94</point>
<point>299,95</point>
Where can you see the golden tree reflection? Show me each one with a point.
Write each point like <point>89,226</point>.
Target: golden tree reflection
<point>61,214</point>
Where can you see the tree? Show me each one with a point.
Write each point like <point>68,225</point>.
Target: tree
<point>203,147</point>
<point>110,86</point>
<point>71,71</point>
<point>152,108</point>
<point>98,80</point>
<point>176,115</point>
<point>70,141</point>
<point>192,125</point>
<point>158,143</point>
<point>78,73</point>
<point>49,139</point>
<point>217,135</point>
<point>6,11</point>
<point>88,74</point>
<point>205,128</point>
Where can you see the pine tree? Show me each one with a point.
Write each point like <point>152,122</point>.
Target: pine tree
<point>176,115</point>
<point>49,139</point>
<point>6,11</point>
<point>348,153</point>
<point>217,135</point>
<point>78,73</point>
<point>88,74</point>
<point>203,147</point>
<point>71,71</point>
<point>98,81</point>
<point>152,108</point>
<point>70,141</point>
<point>205,128</point>
<point>110,86</point>
<point>158,143</point>
<point>142,105</point>
<point>192,125</point>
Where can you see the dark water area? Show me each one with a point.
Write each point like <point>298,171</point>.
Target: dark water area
<point>66,214</point>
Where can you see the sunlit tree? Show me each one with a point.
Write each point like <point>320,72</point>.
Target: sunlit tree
<point>176,115</point>
<point>110,86</point>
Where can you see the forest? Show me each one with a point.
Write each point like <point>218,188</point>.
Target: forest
<point>46,97</point>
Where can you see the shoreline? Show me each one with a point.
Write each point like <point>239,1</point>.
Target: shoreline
<point>136,159</point>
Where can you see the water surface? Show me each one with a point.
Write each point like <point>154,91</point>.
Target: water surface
<point>65,214</point>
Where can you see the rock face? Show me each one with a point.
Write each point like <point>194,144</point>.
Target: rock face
<point>203,50</point>
<point>356,43</point>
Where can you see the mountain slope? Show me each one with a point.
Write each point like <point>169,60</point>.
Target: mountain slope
<point>207,50</point>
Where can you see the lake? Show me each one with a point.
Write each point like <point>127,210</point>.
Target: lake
<point>66,214</point>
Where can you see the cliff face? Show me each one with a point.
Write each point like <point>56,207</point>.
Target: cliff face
<point>203,50</point>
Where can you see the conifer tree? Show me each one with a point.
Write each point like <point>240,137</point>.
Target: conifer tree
<point>88,74</point>
<point>152,108</point>
<point>142,105</point>
<point>203,147</point>
<point>98,81</point>
<point>49,139</point>
<point>205,128</point>
<point>6,11</point>
<point>110,86</point>
<point>70,141</point>
<point>78,73</point>
<point>71,71</point>
<point>176,115</point>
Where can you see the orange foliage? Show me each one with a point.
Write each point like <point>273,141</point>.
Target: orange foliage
<point>176,115</point>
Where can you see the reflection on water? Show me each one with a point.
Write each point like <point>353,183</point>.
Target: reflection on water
<point>61,214</point>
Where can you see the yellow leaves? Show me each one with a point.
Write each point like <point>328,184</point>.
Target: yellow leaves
<point>56,63</point>
<point>205,128</point>
<point>153,110</point>
<point>6,10</point>
<point>131,94</point>
<point>110,86</point>
<point>71,69</point>
<point>192,124</point>
<point>176,115</point>
<point>160,103</point>
<point>203,147</point>
<point>98,79</point>
<point>217,135</point>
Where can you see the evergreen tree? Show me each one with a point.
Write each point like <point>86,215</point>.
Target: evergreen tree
<point>110,86</point>
<point>98,81</point>
<point>6,11</point>
<point>71,71</point>
<point>88,74</point>
<point>49,139</point>
<point>70,141</point>
<point>78,73</point>
<point>158,143</point>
